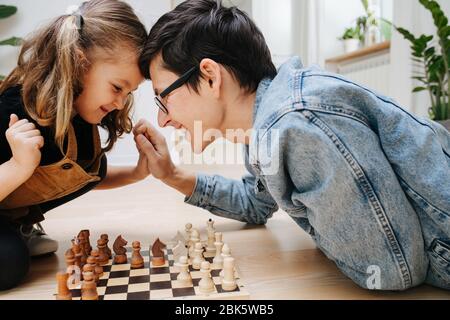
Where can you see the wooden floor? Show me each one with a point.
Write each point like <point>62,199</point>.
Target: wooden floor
<point>276,261</point>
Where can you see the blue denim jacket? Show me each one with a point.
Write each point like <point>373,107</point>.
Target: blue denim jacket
<point>369,181</point>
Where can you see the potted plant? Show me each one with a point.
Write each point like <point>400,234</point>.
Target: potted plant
<point>5,12</point>
<point>369,25</point>
<point>431,61</point>
<point>351,38</point>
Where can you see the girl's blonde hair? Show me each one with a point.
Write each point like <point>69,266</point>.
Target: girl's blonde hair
<point>53,60</point>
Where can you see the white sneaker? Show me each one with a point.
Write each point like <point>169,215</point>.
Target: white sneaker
<point>37,241</point>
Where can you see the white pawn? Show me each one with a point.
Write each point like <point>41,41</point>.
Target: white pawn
<point>228,280</point>
<point>218,259</point>
<point>198,256</point>
<point>226,252</point>
<point>184,278</point>
<point>206,283</point>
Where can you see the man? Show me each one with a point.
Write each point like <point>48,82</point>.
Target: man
<point>367,180</point>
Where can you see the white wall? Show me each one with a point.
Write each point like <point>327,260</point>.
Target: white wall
<point>274,19</point>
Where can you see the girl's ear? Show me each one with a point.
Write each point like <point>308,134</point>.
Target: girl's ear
<point>82,58</point>
<point>210,71</point>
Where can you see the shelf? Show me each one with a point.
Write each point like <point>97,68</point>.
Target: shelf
<point>361,53</point>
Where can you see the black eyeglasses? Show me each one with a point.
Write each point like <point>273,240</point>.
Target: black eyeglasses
<point>178,83</point>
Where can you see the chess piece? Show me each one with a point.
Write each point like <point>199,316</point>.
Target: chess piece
<point>119,250</point>
<point>72,267</point>
<point>210,247</point>
<point>63,290</point>
<point>88,288</point>
<point>87,243</point>
<point>210,225</point>
<point>92,262</point>
<point>179,250</point>
<point>188,229</point>
<point>158,253</point>
<point>69,257</point>
<point>108,250</point>
<point>198,256</point>
<point>218,260</point>
<point>206,284</point>
<point>98,269</point>
<point>103,257</point>
<point>195,237</point>
<point>78,254</point>
<point>178,237</point>
<point>137,261</point>
<point>184,278</point>
<point>82,242</point>
<point>226,252</point>
<point>228,280</point>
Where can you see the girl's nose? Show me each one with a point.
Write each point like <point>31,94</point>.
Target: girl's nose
<point>120,102</point>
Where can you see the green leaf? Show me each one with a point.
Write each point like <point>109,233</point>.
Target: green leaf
<point>2,77</point>
<point>418,89</point>
<point>14,41</point>
<point>7,11</point>
<point>365,4</point>
<point>407,35</point>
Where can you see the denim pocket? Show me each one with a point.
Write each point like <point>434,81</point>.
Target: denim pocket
<point>439,254</point>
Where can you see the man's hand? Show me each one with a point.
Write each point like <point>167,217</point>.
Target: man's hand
<point>153,145</point>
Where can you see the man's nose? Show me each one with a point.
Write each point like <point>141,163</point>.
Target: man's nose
<point>163,119</point>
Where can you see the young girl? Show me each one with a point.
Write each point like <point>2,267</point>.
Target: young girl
<point>72,76</point>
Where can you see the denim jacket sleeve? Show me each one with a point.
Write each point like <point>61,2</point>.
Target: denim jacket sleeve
<point>233,199</point>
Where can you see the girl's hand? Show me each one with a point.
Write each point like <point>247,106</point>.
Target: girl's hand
<point>25,142</point>
<point>153,145</point>
<point>141,171</point>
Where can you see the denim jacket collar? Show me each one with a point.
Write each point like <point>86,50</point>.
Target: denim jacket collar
<point>271,101</point>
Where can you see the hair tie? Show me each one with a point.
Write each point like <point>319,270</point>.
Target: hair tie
<point>74,10</point>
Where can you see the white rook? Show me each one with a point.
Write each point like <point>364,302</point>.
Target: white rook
<point>228,280</point>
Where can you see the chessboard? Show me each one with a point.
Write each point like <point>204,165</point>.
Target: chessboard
<point>121,282</point>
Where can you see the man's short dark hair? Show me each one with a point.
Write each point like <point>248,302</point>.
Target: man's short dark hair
<point>198,29</point>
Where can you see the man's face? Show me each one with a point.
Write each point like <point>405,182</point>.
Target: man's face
<point>186,107</point>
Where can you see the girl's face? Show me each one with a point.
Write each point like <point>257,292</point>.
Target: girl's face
<point>106,86</point>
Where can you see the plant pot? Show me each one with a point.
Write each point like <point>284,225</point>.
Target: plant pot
<point>445,123</point>
<point>351,45</point>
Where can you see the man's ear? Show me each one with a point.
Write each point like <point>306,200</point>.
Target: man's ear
<point>211,73</point>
